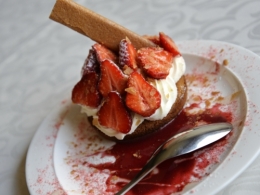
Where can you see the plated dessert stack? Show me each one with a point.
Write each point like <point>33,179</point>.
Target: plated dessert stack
<point>130,85</point>
<point>132,93</point>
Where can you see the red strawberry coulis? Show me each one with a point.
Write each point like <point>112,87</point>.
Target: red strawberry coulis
<point>174,174</point>
<point>205,104</point>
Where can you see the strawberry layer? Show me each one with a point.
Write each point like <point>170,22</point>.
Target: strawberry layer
<point>166,87</point>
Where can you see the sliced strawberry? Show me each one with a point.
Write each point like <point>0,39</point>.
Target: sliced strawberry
<point>111,78</point>
<point>141,97</point>
<point>85,92</point>
<point>127,54</point>
<point>154,39</point>
<point>168,44</point>
<point>103,53</point>
<point>91,63</point>
<point>114,114</point>
<point>155,61</point>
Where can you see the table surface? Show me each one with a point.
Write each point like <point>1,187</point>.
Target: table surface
<point>40,60</point>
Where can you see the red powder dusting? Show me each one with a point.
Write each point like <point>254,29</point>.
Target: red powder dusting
<point>217,68</point>
<point>254,109</point>
<point>212,52</point>
<point>46,182</point>
<point>59,122</point>
<point>64,102</point>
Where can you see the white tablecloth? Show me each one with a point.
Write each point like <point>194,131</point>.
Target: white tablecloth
<point>40,60</point>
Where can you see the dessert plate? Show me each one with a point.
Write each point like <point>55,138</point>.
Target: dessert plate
<point>220,76</point>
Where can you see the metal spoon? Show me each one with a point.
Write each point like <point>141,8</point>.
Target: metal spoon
<point>180,144</point>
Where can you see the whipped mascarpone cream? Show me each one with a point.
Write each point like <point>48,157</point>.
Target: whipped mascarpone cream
<point>166,87</point>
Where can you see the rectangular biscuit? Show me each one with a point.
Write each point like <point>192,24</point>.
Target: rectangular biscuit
<point>94,26</point>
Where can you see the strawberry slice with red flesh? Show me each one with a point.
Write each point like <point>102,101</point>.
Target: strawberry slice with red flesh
<point>154,39</point>
<point>114,114</point>
<point>103,53</point>
<point>85,92</point>
<point>142,98</point>
<point>111,78</point>
<point>91,63</point>
<point>168,44</point>
<point>127,54</point>
<point>155,61</point>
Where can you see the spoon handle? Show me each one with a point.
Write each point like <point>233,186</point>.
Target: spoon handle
<point>152,163</point>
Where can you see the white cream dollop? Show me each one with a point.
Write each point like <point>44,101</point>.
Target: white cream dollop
<point>166,87</point>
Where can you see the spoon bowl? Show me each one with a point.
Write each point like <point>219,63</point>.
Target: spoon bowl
<point>180,144</point>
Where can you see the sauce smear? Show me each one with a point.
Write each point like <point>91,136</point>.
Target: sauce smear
<point>174,174</point>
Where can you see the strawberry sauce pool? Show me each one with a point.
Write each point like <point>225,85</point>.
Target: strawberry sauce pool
<point>172,175</point>
<point>91,164</point>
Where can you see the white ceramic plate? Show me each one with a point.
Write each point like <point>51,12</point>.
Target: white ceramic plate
<point>230,70</point>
